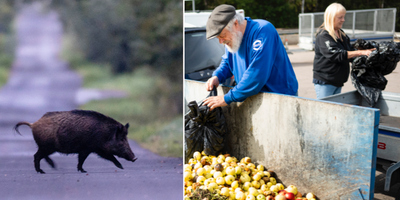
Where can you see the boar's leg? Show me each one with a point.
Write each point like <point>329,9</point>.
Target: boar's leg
<point>50,161</point>
<point>111,158</point>
<point>39,155</point>
<point>81,158</point>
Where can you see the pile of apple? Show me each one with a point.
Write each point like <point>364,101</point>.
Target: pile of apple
<point>242,180</point>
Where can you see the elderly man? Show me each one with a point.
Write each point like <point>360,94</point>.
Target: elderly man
<point>254,55</point>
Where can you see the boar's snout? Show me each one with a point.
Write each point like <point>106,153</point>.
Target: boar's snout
<point>130,156</point>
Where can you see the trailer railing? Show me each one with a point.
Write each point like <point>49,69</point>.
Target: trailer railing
<point>370,24</point>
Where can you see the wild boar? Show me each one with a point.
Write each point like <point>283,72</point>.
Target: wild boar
<point>82,132</point>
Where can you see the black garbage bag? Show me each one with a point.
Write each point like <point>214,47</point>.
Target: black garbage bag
<point>367,74</point>
<point>204,129</point>
<point>370,94</point>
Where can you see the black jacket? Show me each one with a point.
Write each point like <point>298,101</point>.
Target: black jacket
<point>331,64</point>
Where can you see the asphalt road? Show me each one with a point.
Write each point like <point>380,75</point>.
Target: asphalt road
<point>40,82</point>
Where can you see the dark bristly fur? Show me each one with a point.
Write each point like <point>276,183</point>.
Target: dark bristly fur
<point>82,132</point>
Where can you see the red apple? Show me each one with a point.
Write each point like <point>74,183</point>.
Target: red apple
<point>283,192</point>
<point>280,197</point>
<point>289,196</point>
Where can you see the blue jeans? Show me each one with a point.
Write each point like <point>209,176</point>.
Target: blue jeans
<point>326,90</point>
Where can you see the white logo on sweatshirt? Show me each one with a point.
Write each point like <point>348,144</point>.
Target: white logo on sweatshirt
<point>257,45</point>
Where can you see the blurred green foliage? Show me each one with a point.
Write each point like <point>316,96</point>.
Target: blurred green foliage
<point>128,33</point>
<point>7,41</point>
<point>133,46</point>
<point>145,107</point>
<point>284,13</point>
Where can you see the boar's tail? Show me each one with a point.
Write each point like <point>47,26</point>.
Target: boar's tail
<point>19,124</point>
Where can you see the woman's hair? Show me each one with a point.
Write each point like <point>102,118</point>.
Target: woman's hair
<point>329,18</point>
<point>237,17</point>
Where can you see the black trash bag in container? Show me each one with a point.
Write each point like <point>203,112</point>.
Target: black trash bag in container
<point>204,129</point>
<point>370,94</point>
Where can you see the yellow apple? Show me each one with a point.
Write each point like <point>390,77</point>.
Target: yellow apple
<point>267,174</point>
<point>256,177</point>
<point>274,188</point>
<point>201,180</point>
<point>264,187</point>
<point>217,174</point>
<point>260,197</point>
<point>197,166</point>
<point>229,179</point>
<point>281,187</point>
<point>310,196</point>
<point>192,161</point>
<point>214,161</point>
<point>189,189</point>
<point>201,171</point>
<point>246,186</point>
<point>253,191</point>
<point>251,166</point>
<point>238,170</point>
<point>232,195</point>
<point>225,191</point>
<point>256,184</point>
<point>187,167</point>
<point>197,155</point>
<point>211,187</point>
<point>238,190</point>
<point>220,180</point>
<point>235,184</point>
<point>272,180</point>
<point>245,178</point>
<point>292,189</point>
<point>240,196</point>
<point>230,170</point>
<point>208,168</point>
<point>250,197</point>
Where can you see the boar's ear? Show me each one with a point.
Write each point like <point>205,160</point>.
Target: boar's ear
<point>120,133</point>
<point>127,126</point>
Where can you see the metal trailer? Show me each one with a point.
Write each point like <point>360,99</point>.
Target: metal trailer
<point>319,146</point>
<point>369,24</point>
<point>388,147</point>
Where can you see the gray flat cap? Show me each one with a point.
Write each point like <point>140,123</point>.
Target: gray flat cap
<point>218,19</point>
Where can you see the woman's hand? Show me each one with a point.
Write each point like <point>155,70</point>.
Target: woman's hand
<point>365,52</point>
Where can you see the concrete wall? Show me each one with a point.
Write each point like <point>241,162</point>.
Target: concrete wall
<point>321,147</point>
<point>292,39</point>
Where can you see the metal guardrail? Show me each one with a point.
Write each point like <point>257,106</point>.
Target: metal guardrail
<point>368,24</point>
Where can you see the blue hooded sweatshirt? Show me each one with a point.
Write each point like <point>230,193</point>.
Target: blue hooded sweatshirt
<point>260,65</point>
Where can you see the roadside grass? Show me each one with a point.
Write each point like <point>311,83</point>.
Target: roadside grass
<point>6,58</point>
<point>150,124</point>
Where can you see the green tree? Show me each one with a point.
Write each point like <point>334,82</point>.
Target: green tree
<point>284,13</point>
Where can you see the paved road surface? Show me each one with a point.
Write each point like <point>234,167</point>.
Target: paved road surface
<point>41,82</point>
<point>302,62</point>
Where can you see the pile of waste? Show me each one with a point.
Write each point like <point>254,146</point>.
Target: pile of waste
<point>224,177</point>
<point>368,72</point>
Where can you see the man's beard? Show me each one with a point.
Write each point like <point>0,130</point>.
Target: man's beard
<point>237,37</point>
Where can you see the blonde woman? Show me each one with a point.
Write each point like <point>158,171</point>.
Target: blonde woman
<point>333,52</point>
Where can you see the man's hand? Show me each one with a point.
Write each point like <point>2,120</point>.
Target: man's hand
<point>215,102</point>
<point>211,82</point>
